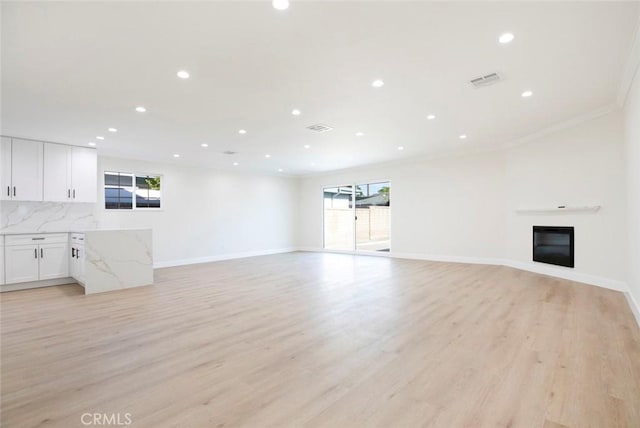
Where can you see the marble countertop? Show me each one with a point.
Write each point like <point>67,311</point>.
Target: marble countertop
<point>37,232</point>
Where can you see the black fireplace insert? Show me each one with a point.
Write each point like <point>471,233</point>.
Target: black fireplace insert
<point>553,245</point>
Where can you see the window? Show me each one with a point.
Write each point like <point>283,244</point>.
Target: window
<point>120,188</point>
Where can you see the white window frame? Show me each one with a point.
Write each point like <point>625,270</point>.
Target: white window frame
<point>133,175</point>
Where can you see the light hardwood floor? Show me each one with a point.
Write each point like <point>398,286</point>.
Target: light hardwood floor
<point>324,340</point>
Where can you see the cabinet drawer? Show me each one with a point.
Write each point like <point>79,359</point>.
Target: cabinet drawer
<point>77,237</point>
<point>36,238</point>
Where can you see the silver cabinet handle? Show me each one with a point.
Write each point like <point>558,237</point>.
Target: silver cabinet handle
<point>74,193</point>
<point>68,193</point>
<point>41,253</point>
<point>14,190</point>
<point>35,250</point>
<point>8,190</point>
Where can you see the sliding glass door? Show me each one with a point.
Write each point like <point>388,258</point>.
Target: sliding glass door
<point>358,217</point>
<point>373,216</point>
<point>338,218</point>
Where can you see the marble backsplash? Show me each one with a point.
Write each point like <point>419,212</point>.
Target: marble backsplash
<point>46,216</point>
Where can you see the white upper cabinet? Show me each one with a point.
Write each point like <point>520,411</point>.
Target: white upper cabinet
<point>70,173</point>
<point>57,173</point>
<point>84,174</point>
<point>22,166</point>
<point>35,171</point>
<point>5,168</point>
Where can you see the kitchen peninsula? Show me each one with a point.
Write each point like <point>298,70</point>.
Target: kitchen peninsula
<point>99,260</point>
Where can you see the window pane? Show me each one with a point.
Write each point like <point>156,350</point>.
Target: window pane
<point>118,191</point>
<point>142,182</point>
<point>373,216</point>
<point>126,180</point>
<point>148,191</point>
<point>125,198</point>
<point>338,218</point>
<point>111,179</point>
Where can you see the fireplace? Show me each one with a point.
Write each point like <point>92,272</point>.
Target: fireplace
<point>553,245</point>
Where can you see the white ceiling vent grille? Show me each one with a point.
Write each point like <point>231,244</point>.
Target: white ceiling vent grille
<point>486,80</point>
<point>320,128</point>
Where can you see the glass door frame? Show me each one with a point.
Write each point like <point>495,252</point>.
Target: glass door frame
<point>354,246</point>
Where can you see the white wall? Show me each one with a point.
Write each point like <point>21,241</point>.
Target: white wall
<point>208,214</point>
<point>632,153</point>
<point>464,208</point>
<point>450,208</point>
<point>583,165</point>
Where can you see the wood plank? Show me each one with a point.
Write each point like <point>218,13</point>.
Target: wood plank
<point>324,340</point>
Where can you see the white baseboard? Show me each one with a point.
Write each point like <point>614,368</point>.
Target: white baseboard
<point>449,259</point>
<point>568,273</point>
<point>558,272</point>
<point>353,253</point>
<point>37,284</point>
<point>634,305</point>
<point>220,257</point>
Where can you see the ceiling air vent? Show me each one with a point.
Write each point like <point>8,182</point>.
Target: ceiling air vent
<point>229,152</point>
<point>320,128</point>
<point>486,80</point>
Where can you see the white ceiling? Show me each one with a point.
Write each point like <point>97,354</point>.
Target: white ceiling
<point>71,70</point>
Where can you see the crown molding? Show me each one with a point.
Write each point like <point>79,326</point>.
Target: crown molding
<point>631,68</point>
<point>567,124</point>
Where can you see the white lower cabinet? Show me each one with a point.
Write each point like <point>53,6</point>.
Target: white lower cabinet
<point>1,260</point>
<point>76,265</point>
<point>22,263</point>
<point>36,257</point>
<point>54,260</point>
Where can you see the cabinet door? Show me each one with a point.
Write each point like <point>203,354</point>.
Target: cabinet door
<point>80,260</point>
<point>54,260</point>
<point>84,174</point>
<point>21,263</point>
<point>57,173</point>
<point>73,264</point>
<point>26,170</point>
<point>5,168</point>
<point>1,260</point>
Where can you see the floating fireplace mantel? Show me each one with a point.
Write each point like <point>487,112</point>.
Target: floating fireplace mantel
<point>560,209</point>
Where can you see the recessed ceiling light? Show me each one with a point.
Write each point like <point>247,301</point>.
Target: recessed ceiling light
<point>140,109</point>
<point>267,156</point>
<point>280,169</point>
<point>462,136</point>
<point>431,117</point>
<point>204,145</point>
<point>236,164</point>
<point>91,143</point>
<point>359,134</point>
<point>400,148</point>
<point>306,146</point>
<point>527,94</point>
<point>112,130</point>
<point>100,137</point>
<point>506,38</point>
<point>377,83</point>
<point>280,4</point>
<point>296,112</point>
<point>176,155</point>
<point>242,131</point>
<point>183,74</point>
<point>312,164</point>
